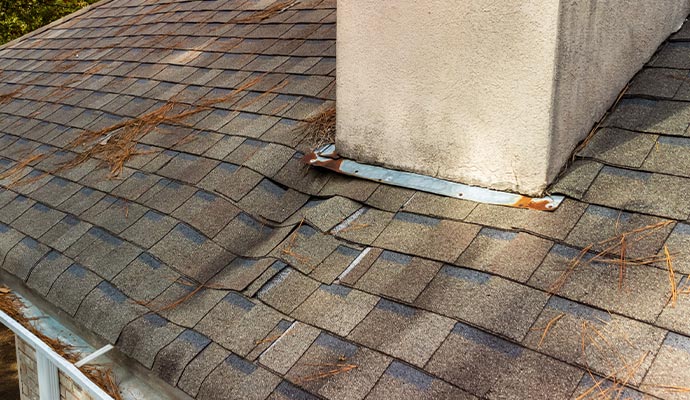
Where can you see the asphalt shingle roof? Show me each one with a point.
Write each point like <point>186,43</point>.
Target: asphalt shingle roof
<point>298,283</point>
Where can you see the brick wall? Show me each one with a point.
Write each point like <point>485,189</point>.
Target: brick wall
<point>26,364</point>
<point>70,391</point>
<point>28,377</point>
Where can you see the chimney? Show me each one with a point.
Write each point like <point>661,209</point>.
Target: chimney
<point>489,93</point>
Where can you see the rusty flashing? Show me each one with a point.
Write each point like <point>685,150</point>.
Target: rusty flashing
<point>327,157</point>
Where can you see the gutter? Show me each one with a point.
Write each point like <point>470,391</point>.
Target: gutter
<point>49,363</point>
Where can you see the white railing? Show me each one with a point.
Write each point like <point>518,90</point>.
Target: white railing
<point>49,363</point>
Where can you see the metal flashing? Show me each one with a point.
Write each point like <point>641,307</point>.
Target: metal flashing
<point>327,157</point>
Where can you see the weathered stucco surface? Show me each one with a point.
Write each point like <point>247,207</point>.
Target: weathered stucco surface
<point>602,44</point>
<point>490,93</point>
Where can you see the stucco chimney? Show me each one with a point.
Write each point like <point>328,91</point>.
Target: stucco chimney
<point>484,92</point>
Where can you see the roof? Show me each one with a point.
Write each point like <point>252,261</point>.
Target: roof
<point>216,259</point>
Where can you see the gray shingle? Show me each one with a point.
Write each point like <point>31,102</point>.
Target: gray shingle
<point>619,147</point>
<point>599,224</point>
<point>135,185</point>
<point>610,342</point>
<point>398,276</point>
<point>118,216</point>
<point>144,337</point>
<point>264,157</point>
<point>81,201</point>
<point>71,287</point>
<point>329,213</point>
<point>577,178</point>
<point>403,382</point>
<point>165,196</point>
<point>484,300</point>
<point>20,260</point>
<point>55,191</point>
<point>191,253</point>
<point>472,359</point>
<point>188,168</point>
<point>238,379</point>
<point>106,311</point>
<point>240,273</point>
<point>664,372</point>
<point>350,385</point>
<point>47,271</point>
<point>335,308</point>
<point>172,359</point>
<point>652,116</point>
<point>390,198</point>
<point>538,377</point>
<point>200,367</point>
<point>641,192</point>
<point>184,305</point>
<point>149,229</point>
<point>251,321</point>
<point>145,278</point>
<point>335,264</point>
<point>272,202</point>
<point>355,189</point>
<point>15,208</point>
<point>224,147</point>
<point>305,248</point>
<point>439,206</point>
<point>554,224</point>
<point>298,176</point>
<point>586,386</point>
<point>657,82</point>
<point>287,290</point>
<point>364,226</point>
<point>107,255</point>
<point>673,55</point>
<point>207,212</point>
<point>600,284</point>
<point>288,391</point>
<point>671,155</point>
<point>199,142</point>
<point>678,244</point>
<point>101,179</point>
<point>429,237</point>
<point>248,237</point>
<point>271,337</point>
<point>403,332</point>
<point>249,125</point>
<point>509,254</point>
<point>230,180</point>
<point>289,347</point>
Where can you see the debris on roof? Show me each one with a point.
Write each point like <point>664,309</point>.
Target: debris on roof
<point>151,160</point>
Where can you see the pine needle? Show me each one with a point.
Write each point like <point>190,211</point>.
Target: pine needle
<point>671,277</point>
<point>269,12</point>
<point>319,129</point>
<point>335,369</point>
<point>114,145</point>
<point>563,278</point>
<point>548,327</point>
<point>617,244</point>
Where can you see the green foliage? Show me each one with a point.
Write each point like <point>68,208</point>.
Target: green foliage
<point>19,17</point>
